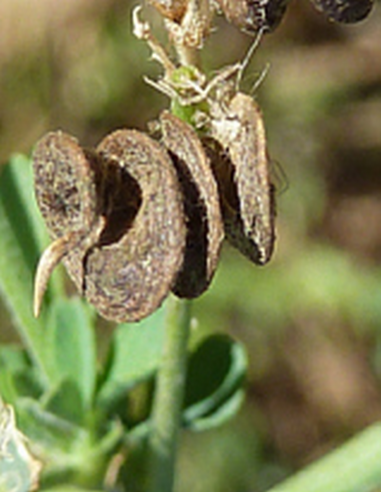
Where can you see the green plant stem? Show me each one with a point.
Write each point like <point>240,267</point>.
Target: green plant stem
<point>354,467</point>
<point>168,400</point>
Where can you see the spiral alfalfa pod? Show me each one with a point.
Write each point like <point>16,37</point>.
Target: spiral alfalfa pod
<point>201,206</point>
<point>116,219</point>
<point>237,148</point>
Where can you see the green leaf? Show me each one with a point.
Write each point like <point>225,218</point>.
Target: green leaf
<point>21,232</point>
<point>17,375</point>
<point>66,402</point>
<point>354,467</point>
<point>215,377</point>
<point>23,178</point>
<point>13,358</point>
<point>17,197</point>
<point>134,356</point>
<point>72,345</point>
<point>53,434</point>
<point>218,416</point>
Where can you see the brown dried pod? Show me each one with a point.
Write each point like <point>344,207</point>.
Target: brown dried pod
<point>116,219</point>
<point>202,209</point>
<point>254,16</point>
<point>344,11</point>
<point>241,166</point>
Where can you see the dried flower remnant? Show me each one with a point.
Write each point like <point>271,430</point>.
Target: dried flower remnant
<point>176,79</point>
<point>254,16</point>
<point>202,209</point>
<point>171,9</point>
<point>116,220</point>
<point>344,11</point>
<point>187,21</point>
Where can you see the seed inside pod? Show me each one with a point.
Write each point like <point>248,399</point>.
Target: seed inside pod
<point>238,152</point>
<point>253,16</point>
<point>344,11</point>
<point>116,219</point>
<point>201,206</point>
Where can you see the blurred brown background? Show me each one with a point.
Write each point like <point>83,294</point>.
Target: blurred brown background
<point>311,320</point>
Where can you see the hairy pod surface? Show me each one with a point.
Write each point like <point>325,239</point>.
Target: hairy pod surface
<point>201,205</point>
<point>238,151</point>
<point>116,219</point>
<point>66,181</point>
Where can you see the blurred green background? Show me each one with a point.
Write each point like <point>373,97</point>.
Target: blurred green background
<point>311,320</point>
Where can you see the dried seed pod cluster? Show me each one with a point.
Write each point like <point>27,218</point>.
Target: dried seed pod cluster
<point>131,220</point>
<point>136,218</point>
